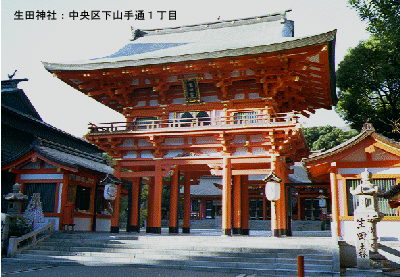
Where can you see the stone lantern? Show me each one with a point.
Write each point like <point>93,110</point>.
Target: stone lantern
<point>366,216</point>
<point>15,199</point>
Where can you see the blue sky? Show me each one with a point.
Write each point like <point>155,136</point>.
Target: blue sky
<point>26,43</point>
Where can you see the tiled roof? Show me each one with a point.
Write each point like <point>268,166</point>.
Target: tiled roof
<point>367,131</point>
<point>23,130</point>
<point>206,187</point>
<point>214,40</point>
<point>71,157</point>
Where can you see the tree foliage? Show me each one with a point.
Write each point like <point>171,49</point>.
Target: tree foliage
<point>369,75</point>
<point>326,137</point>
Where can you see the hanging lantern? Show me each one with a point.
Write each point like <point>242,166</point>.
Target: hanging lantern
<point>272,191</point>
<point>273,187</point>
<point>110,188</point>
<point>110,191</point>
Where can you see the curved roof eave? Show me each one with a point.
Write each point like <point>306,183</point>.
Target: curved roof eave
<point>136,61</point>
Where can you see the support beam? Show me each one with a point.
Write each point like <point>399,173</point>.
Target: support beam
<point>227,197</point>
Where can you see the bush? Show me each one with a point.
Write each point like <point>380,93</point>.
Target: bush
<point>19,226</point>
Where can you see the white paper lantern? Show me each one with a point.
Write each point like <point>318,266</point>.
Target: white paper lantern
<point>272,191</point>
<point>110,191</point>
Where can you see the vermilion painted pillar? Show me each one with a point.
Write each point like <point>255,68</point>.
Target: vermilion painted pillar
<point>157,199</point>
<point>276,168</point>
<point>134,224</point>
<point>245,205</point>
<point>336,232</point>
<point>237,206</point>
<point>115,215</point>
<point>150,206</point>
<point>173,203</point>
<point>186,204</point>
<point>226,197</point>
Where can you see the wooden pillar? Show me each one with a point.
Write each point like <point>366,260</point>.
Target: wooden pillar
<point>276,207</point>
<point>336,232</point>
<point>134,224</point>
<point>237,206</point>
<point>150,206</point>
<point>157,199</point>
<point>284,195</point>
<point>245,205</point>
<point>226,197</point>
<point>173,203</point>
<point>115,215</point>
<point>186,204</point>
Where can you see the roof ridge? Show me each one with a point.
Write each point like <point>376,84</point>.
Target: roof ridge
<point>76,152</point>
<point>216,24</point>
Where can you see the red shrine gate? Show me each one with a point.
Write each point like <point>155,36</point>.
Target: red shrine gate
<point>211,99</point>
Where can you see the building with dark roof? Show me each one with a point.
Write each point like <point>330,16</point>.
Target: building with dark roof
<point>64,169</point>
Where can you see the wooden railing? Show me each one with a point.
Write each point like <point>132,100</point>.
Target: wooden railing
<point>197,123</point>
<point>16,245</point>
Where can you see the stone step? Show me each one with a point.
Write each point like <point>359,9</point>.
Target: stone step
<point>256,255</point>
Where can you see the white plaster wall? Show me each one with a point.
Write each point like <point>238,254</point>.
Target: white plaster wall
<point>131,154</point>
<point>241,151</point>
<point>205,140</point>
<point>212,98</point>
<point>174,141</point>
<point>254,95</point>
<point>103,224</point>
<point>146,154</point>
<point>210,152</point>
<point>128,142</point>
<point>239,96</point>
<point>258,151</point>
<point>144,142</point>
<point>82,224</point>
<point>239,139</point>
<point>173,153</point>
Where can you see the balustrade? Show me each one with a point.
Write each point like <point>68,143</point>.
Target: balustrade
<point>234,121</point>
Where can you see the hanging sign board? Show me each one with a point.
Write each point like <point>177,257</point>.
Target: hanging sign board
<point>191,89</point>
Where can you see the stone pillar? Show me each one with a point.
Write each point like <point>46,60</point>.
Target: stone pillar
<point>226,197</point>
<point>173,203</point>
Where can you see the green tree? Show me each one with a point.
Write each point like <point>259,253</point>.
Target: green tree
<point>326,137</point>
<point>369,75</point>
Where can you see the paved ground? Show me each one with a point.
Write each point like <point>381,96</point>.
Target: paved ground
<point>42,270</point>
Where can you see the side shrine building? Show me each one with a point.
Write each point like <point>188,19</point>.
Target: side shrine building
<point>219,98</point>
<point>67,171</point>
